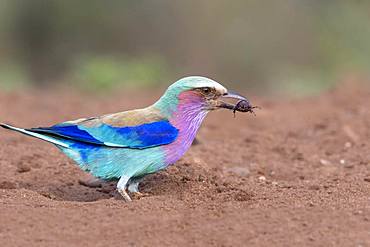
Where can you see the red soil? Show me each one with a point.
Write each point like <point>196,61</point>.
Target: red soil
<point>297,174</point>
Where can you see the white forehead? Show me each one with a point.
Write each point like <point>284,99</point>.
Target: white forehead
<point>198,82</point>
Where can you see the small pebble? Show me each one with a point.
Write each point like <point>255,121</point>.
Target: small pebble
<point>348,145</point>
<point>262,178</point>
<point>342,162</point>
<point>324,162</point>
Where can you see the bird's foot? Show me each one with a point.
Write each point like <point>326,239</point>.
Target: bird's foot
<point>125,196</point>
<point>139,195</point>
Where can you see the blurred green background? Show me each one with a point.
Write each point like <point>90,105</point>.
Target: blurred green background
<point>297,47</point>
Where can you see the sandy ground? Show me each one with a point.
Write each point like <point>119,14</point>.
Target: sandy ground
<point>298,174</point>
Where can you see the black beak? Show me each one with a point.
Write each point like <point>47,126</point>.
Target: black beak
<point>241,105</point>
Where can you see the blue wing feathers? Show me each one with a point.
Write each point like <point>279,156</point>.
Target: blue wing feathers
<point>141,136</point>
<point>68,131</point>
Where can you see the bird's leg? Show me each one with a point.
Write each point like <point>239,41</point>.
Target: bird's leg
<point>133,186</point>
<point>121,187</point>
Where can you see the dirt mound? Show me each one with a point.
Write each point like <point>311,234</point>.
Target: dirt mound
<point>297,174</point>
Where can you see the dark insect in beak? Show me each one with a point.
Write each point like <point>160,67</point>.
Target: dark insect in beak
<point>242,105</point>
<point>245,106</point>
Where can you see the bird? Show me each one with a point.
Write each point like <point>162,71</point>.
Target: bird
<point>129,145</point>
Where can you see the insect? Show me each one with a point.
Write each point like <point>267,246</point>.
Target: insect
<point>244,106</point>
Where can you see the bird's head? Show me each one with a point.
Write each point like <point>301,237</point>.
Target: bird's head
<point>200,93</point>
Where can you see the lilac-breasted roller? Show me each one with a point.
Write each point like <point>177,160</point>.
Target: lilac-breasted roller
<point>129,145</point>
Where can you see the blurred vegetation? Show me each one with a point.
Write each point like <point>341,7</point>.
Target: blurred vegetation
<point>106,73</point>
<point>298,47</point>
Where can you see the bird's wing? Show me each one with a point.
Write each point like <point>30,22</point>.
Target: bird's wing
<point>103,131</point>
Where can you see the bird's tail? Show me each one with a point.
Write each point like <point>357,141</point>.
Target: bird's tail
<point>37,135</point>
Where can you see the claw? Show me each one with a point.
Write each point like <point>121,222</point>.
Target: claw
<point>139,195</point>
<point>125,196</point>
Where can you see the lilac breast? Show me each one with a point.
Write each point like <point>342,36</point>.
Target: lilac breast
<point>187,118</point>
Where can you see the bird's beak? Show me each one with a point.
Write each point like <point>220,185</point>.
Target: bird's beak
<point>222,101</point>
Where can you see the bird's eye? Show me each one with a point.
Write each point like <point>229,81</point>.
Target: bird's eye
<point>206,90</point>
